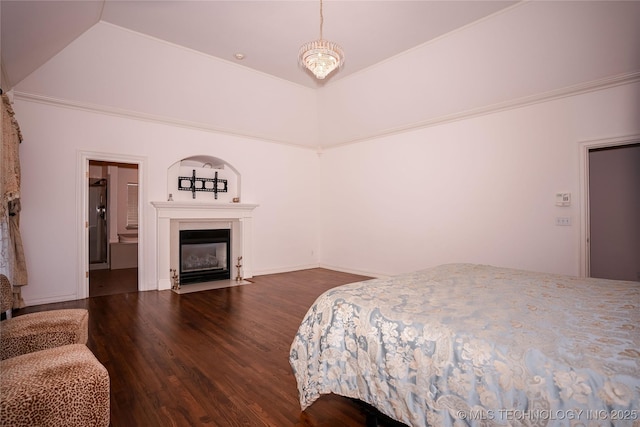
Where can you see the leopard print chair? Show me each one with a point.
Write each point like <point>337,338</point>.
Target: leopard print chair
<point>41,330</point>
<point>6,296</point>
<point>48,376</point>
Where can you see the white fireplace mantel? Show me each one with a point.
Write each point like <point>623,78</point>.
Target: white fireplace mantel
<point>171,214</point>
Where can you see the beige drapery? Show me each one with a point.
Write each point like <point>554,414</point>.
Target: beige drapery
<point>12,261</point>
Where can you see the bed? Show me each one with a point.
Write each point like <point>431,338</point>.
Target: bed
<point>465,344</point>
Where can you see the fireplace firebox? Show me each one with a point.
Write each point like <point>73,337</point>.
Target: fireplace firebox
<point>205,255</point>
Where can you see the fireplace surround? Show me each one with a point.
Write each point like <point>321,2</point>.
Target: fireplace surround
<point>172,217</point>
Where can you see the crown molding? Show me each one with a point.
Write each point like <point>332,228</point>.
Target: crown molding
<point>591,86</point>
<point>565,92</point>
<point>146,117</point>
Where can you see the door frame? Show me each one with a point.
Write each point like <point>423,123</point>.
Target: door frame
<point>82,200</point>
<point>584,148</point>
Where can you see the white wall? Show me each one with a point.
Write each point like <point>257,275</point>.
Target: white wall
<point>117,70</point>
<point>281,179</point>
<point>113,91</point>
<point>534,48</point>
<point>480,190</point>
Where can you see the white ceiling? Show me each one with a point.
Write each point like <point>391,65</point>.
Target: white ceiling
<point>268,33</point>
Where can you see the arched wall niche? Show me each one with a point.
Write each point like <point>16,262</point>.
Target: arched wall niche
<point>205,167</point>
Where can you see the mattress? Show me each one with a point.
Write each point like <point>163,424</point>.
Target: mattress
<point>465,344</point>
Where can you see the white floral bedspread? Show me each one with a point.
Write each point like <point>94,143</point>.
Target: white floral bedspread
<point>464,344</point>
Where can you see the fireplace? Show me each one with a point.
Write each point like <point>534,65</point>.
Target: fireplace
<point>177,216</point>
<point>205,255</point>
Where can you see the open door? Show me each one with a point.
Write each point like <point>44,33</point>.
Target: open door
<point>613,195</point>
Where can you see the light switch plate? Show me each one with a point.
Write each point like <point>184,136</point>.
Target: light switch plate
<point>563,199</point>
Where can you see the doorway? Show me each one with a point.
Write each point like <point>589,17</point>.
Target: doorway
<point>84,173</point>
<point>124,186</point>
<point>611,231</point>
<point>113,227</point>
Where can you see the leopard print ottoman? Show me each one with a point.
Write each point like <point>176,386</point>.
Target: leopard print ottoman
<point>62,386</point>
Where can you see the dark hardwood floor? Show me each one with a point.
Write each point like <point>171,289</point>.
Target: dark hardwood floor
<point>217,358</point>
<point>111,282</point>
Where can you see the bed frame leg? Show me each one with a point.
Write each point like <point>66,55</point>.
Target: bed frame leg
<point>372,420</point>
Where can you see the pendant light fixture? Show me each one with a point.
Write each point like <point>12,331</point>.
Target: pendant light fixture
<point>320,56</point>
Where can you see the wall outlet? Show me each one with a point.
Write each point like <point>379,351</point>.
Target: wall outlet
<point>563,220</point>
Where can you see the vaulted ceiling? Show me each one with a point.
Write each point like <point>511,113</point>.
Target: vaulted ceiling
<point>267,33</point>
<point>408,64</point>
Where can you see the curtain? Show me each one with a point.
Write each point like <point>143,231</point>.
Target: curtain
<point>12,261</point>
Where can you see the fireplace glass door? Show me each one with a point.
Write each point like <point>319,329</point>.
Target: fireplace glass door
<point>204,255</point>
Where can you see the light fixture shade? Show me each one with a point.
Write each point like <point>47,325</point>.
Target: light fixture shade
<point>321,57</point>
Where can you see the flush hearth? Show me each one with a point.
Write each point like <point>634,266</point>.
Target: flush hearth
<point>205,255</point>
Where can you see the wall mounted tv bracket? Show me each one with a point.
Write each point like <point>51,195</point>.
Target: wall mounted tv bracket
<point>213,185</point>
